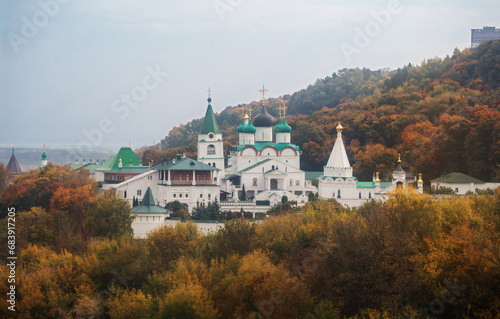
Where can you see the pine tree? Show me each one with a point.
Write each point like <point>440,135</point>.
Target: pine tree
<point>243,195</point>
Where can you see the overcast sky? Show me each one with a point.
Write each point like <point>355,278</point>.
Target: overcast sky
<point>106,73</point>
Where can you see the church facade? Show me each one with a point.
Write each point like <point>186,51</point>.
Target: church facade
<point>260,170</point>
<point>338,181</point>
<point>265,163</point>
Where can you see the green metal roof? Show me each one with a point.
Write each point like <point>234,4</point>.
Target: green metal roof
<point>128,157</point>
<point>148,205</point>
<point>241,128</point>
<point>282,127</point>
<point>457,178</point>
<point>129,170</point>
<point>260,145</point>
<point>385,184</point>
<point>185,164</point>
<point>312,175</point>
<point>249,128</point>
<point>254,166</point>
<point>92,167</point>
<point>335,177</point>
<point>365,185</point>
<point>44,156</point>
<point>210,124</point>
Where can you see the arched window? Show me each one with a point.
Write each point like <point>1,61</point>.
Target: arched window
<point>213,164</point>
<point>211,149</point>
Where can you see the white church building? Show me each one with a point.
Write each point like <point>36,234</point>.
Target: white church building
<point>338,181</point>
<point>265,166</point>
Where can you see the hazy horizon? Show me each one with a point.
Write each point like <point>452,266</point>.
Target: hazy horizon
<point>106,74</point>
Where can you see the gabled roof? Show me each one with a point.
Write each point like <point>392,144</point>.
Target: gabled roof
<point>148,205</point>
<point>254,166</point>
<point>92,167</point>
<point>457,178</point>
<point>210,124</point>
<point>185,164</point>
<point>13,165</point>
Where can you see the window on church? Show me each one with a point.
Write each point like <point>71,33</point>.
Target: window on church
<point>187,195</point>
<point>187,177</point>
<point>201,195</point>
<point>211,149</point>
<point>213,165</point>
<point>124,194</point>
<point>297,183</point>
<point>254,182</point>
<point>139,192</point>
<point>370,195</point>
<point>175,195</point>
<point>291,182</point>
<point>359,195</point>
<point>180,177</point>
<point>204,178</point>
<point>180,195</point>
<point>338,194</point>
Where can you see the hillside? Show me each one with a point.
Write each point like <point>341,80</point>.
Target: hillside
<point>442,116</point>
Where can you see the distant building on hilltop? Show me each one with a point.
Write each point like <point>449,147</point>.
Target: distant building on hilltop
<point>13,165</point>
<point>485,34</point>
<point>44,161</point>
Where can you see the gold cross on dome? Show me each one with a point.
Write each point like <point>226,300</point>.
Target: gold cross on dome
<point>263,91</point>
<point>209,93</point>
<point>282,108</point>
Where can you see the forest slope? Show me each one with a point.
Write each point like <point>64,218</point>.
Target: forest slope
<point>442,116</point>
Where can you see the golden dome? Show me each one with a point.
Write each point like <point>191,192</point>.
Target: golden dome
<point>420,181</point>
<point>246,117</point>
<point>377,179</point>
<point>339,128</point>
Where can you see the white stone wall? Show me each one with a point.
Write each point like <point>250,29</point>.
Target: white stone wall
<point>145,223</point>
<point>164,194</point>
<point>264,134</point>
<point>349,192</point>
<point>463,188</point>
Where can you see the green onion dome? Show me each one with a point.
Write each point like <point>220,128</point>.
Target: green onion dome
<point>249,128</point>
<point>241,128</point>
<point>282,127</point>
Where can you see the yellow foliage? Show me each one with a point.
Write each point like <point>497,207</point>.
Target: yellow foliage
<point>131,304</point>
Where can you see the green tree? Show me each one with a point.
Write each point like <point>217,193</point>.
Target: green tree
<point>178,209</point>
<point>109,216</point>
<point>243,195</point>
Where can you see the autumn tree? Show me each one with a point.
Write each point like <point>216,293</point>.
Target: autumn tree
<point>375,158</point>
<point>109,216</point>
